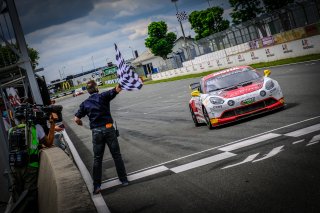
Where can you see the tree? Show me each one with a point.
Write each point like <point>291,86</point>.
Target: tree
<point>245,10</point>
<point>8,57</point>
<point>34,57</point>
<point>159,40</point>
<point>275,5</point>
<point>272,5</point>
<point>208,22</point>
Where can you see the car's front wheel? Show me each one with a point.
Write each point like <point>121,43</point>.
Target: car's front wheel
<point>206,117</point>
<point>194,118</point>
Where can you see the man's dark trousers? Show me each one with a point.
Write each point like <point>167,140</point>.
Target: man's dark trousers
<point>100,137</point>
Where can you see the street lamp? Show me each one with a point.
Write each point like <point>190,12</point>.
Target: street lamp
<point>94,67</point>
<point>132,52</point>
<point>182,30</point>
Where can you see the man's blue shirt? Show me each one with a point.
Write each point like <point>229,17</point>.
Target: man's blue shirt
<point>97,108</point>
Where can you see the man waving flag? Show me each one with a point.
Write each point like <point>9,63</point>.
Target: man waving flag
<point>128,79</point>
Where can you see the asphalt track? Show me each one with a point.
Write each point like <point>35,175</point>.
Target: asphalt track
<point>280,174</point>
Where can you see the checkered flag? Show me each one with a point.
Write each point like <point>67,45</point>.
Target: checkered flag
<point>128,79</point>
<point>181,16</point>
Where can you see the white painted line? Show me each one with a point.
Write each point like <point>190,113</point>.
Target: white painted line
<point>248,159</point>
<point>202,162</point>
<point>217,147</point>
<point>135,176</point>
<point>250,142</point>
<point>304,131</point>
<point>315,139</point>
<point>299,141</point>
<point>98,200</point>
<point>147,173</point>
<point>309,144</point>
<point>272,153</point>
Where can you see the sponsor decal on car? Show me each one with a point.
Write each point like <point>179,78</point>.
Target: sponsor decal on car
<point>217,107</point>
<point>248,101</point>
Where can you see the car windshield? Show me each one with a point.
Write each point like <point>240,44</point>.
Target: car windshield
<point>231,79</point>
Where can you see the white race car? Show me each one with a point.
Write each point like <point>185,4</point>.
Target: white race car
<point>229,95</point>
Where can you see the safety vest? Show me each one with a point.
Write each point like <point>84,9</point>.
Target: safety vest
<point>33,149</point>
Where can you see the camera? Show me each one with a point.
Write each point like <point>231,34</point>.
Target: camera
<point>38,114</point>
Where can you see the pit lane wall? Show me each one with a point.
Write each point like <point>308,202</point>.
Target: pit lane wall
<point>243,55</point>
<point>60,186</point>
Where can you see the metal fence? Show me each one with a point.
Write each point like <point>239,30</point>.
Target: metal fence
<point>263,30</point>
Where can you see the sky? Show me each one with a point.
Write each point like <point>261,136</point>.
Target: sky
<point>76,35</point>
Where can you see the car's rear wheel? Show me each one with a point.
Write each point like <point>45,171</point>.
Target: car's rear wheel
<point>194,118</point>
<point>206,117</point>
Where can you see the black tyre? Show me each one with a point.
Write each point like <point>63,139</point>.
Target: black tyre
<point>194,118</point>
<point>206,117</point>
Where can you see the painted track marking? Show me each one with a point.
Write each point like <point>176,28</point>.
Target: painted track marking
<point>314,140</point>
<point>136,176</point>
<point>248,159</point>
<point>304,131</point>
<point>272,153</point>
<point>217,147</point>
<point>250,142</point>
<point>299,141</point>
<point>202,162</point>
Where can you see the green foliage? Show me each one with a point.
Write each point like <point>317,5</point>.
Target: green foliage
<point>272,5</point>
<point>207,22</point>
<point>159,40</point>
<point>244,10</point>
<point>34,57</point>
<point>8,57</point>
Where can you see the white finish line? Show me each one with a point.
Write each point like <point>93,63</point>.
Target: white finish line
<point>255,139</point>
<point>202,162</point>
<point>250,142</point>
<point>304,131</point>
<point>136,176</point>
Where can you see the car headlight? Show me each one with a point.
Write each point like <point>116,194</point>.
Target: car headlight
<point>216,100</point>
<point>269,85</point>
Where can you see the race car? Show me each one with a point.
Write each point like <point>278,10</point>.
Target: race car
<point>232,94</point>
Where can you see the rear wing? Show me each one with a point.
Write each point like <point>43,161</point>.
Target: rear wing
<point>194,86</point>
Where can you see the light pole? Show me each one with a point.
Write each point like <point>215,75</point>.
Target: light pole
<point>94,67</point>
<point>209,3</point>
<point>182,30</point>
<point>132,52</point>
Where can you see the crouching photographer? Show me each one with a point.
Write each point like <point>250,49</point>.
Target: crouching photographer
<point>25,141</point>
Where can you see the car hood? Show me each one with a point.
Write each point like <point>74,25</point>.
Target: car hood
<point>239,91</point>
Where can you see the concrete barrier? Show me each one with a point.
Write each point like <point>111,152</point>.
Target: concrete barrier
<point>243,55</point>
<point>61,188</point>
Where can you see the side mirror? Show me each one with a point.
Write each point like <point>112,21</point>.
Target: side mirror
<point>194,86</point>
<point>195,93</point>
<point>267,73</point>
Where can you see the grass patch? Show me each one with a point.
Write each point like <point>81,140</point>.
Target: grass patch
<point>258,65</point>
<point>287,61</point>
